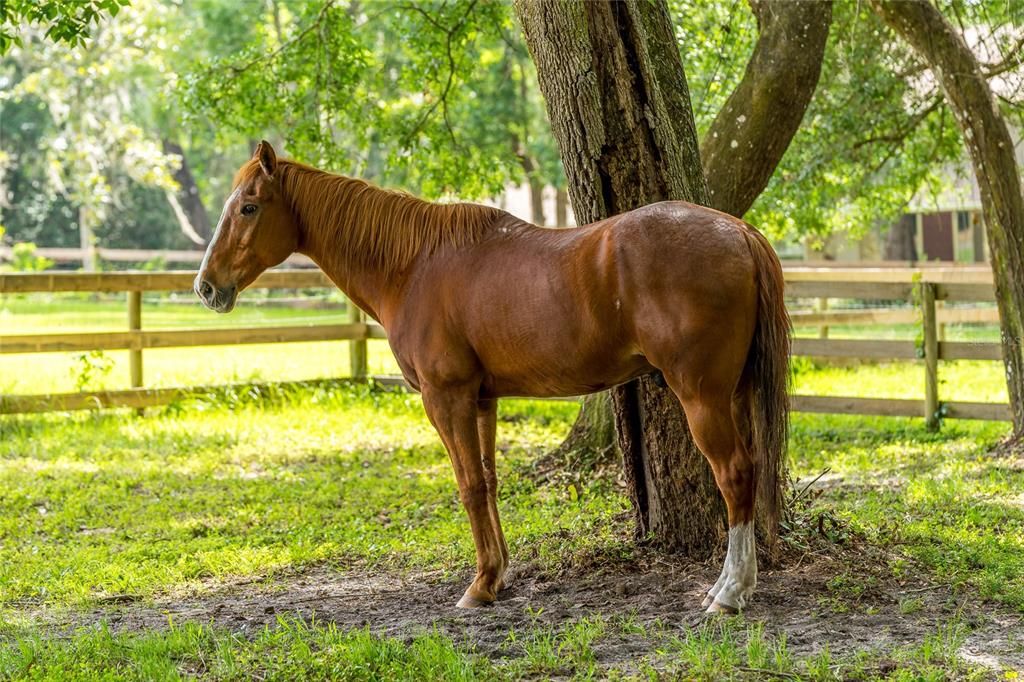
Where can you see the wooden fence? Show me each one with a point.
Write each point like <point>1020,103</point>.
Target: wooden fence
<point>928,288</point>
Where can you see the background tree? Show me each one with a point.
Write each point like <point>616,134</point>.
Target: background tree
<point>443,92</point>
<point>62,21</point>
<point>92,142</point>
<point>991,149</point>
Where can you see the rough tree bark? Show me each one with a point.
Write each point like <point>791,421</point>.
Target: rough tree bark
<point>188,197</point>
<point>992,154</point>
<point>750,134</point>
<point>620,110</point>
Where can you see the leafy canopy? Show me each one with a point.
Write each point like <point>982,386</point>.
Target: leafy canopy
<point>63,21</point>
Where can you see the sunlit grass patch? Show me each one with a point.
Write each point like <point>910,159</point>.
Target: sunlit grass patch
<point>959,380</point>
<point>96,505</point>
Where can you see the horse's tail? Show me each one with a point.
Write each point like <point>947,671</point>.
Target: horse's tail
<point>768,382</point>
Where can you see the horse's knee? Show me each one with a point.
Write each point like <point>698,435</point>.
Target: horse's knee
<point>474,492</point>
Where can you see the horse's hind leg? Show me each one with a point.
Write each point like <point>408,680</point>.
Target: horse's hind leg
<point>710,413</point>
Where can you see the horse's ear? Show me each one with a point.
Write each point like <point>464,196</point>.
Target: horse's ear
<point>267,157</point>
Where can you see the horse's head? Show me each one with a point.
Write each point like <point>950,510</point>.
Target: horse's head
<point>257,230</point>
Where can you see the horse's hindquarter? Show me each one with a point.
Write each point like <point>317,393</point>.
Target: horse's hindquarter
<point>689,280</point>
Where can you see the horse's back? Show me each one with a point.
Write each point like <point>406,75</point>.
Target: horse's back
<point>549,312</point>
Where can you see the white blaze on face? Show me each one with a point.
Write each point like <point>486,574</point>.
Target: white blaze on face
<point>217,232</point>
<point>739,574</point>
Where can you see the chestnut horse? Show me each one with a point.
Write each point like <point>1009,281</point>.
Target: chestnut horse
<point>478,304</point>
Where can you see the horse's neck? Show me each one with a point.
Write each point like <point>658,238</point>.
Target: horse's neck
<point>366,287</point>
<point>368,239</point>
<point>324,244</point>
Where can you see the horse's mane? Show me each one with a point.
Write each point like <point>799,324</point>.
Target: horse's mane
<point>358,221</point>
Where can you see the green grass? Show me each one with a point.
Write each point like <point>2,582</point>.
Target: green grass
<point>959,380</point>
<point>95,505</point>
<point>109,504</point>
<point>291,649</point>
<point>938,497</point>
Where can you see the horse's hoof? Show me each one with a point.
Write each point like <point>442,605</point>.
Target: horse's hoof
<point>719,607</point>
<point>468,601</point>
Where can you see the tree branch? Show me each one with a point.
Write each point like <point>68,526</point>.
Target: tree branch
<point>909,127</point>
<point>443,99</point>
<point>751,133</point>
<point>1011,61</point>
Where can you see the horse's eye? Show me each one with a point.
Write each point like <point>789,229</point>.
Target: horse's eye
<point>248,209</point>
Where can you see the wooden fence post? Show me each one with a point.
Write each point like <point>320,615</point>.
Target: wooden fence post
<point>822,307</point>
<point>135,324</point>
<point>931,355</point>
<point>357,347</point>
<point>135,354</point>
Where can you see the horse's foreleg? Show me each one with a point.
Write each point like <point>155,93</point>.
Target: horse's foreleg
<point>453,413</point>
<point>487,426</point>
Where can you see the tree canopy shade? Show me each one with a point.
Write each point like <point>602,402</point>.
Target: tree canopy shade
<point>369,89</point>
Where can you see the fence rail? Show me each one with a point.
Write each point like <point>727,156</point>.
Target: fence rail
<point>76,255</point>
<point>928,288</point>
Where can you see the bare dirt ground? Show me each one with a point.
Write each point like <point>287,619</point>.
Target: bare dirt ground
<point>796,600</point>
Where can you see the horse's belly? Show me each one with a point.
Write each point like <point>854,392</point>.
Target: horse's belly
<point>565,378</point>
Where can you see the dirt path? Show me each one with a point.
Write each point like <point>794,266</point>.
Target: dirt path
<point>797,601</point>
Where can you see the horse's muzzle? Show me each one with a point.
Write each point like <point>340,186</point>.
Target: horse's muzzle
<point>217,299</point>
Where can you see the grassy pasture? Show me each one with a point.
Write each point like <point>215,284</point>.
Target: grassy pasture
<point>105,507</point>
<point>101,509</point>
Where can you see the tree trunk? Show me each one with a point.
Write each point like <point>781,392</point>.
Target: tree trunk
<point>593,431</point>
<point>761,116</point>
<point>188,197</point>
<point>537,201</point>
<point>992,155</point>
<point>620,110</point>
<point>561,207</point>
<point>87,238</point>
<point>747,139</point>
<point>900,243</point>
